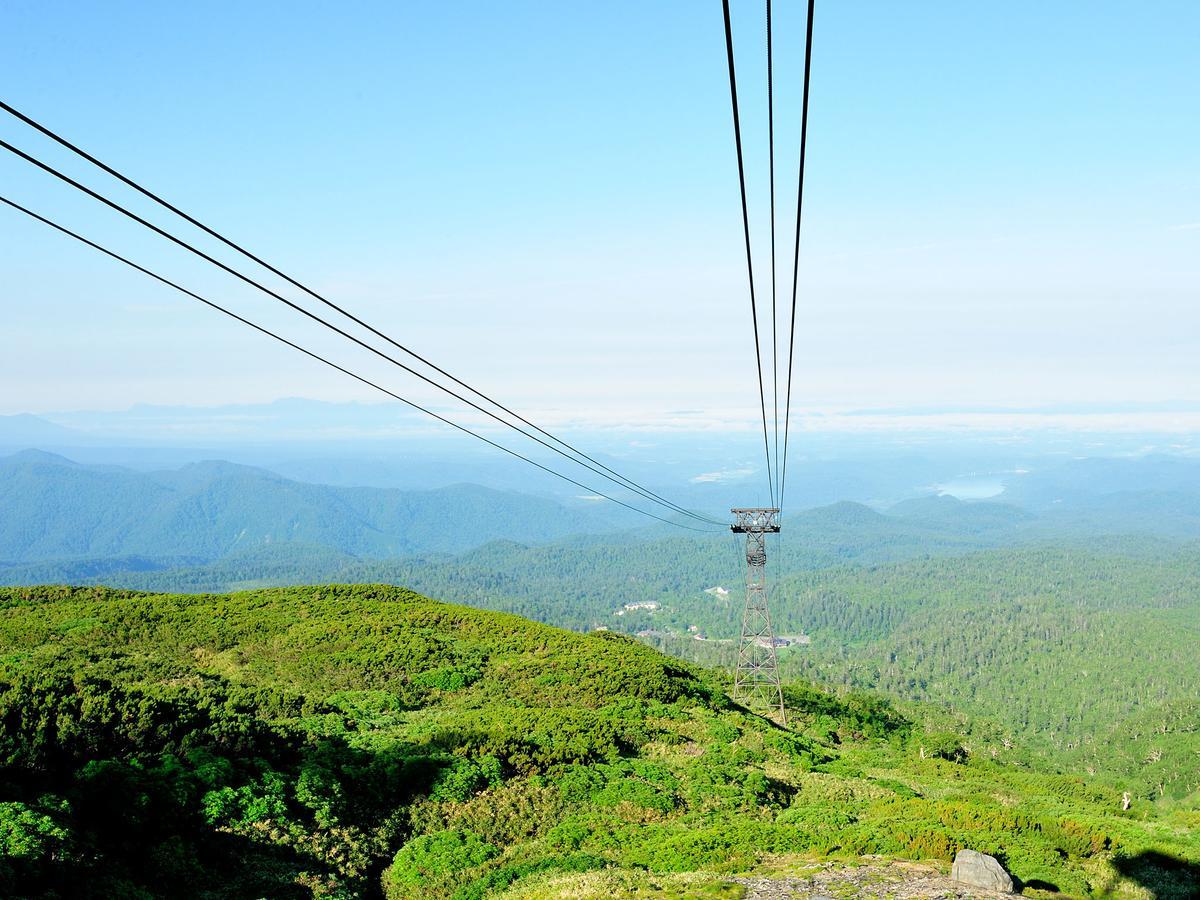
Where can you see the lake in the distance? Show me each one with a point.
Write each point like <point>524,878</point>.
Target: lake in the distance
<point>973,487</point>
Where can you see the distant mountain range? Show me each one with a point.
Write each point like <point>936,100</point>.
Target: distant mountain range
<point>25,430</point>
<point>213,525</point>
<point>56,509</point>
<point>381,445</point>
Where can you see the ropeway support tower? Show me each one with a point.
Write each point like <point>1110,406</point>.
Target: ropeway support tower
<point>756,680</point>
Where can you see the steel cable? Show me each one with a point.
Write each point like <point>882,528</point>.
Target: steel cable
<point>737,134</point>
<point>645,494</point>
<point>334,365</point>
<point>627,483</point>
<point>796,257</point>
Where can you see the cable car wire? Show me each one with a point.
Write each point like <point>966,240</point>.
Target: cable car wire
<point>332,327</point>
<point>774,275</point>
<point>333,365</point>
<point>808,40</point>
<point>626,483</point>
<point>737,134</point>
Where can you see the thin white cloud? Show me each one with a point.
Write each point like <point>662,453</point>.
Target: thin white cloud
<point>722,476</point>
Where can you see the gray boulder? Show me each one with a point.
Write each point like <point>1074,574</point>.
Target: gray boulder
<point>980,870</point>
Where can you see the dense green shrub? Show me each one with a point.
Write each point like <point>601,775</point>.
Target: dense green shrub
<point>942,745</point>
<point>433,856</point>
<point>447,678</point>
<point>466,777</point>
<point>506,875</point>
<point>30,834</point>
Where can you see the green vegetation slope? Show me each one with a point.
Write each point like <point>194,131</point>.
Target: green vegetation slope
<point>357,741</point>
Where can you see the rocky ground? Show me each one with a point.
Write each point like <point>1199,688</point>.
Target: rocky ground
<point>891,880</point>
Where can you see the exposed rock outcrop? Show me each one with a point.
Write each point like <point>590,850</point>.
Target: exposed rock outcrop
<point>980,870</point>
<point>874,878</point>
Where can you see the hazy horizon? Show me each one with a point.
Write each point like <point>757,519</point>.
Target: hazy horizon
<point>985,225</point>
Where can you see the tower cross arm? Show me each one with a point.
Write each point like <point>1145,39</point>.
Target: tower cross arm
<point>755,520</point>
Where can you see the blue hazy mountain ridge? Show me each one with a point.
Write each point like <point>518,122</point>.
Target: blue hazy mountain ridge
<point>25,430</point>
<point>563,580</point>
<point>1053,485</point>
<point>65,521</point>
<point>381,445</point>
<point>942,510</point>
<point>58,509</point>
<point>1174,514</point>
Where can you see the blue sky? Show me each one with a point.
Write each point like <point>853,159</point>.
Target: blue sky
<point>1003,201</point>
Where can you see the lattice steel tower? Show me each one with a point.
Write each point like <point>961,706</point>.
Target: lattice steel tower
<point>756,681</point>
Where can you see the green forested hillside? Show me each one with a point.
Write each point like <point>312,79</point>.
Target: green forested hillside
<point>1066,648</point>
<point>359,741</point>
<point>570,582</point>
<point>1092,658</point>
<point>1086,653</point>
